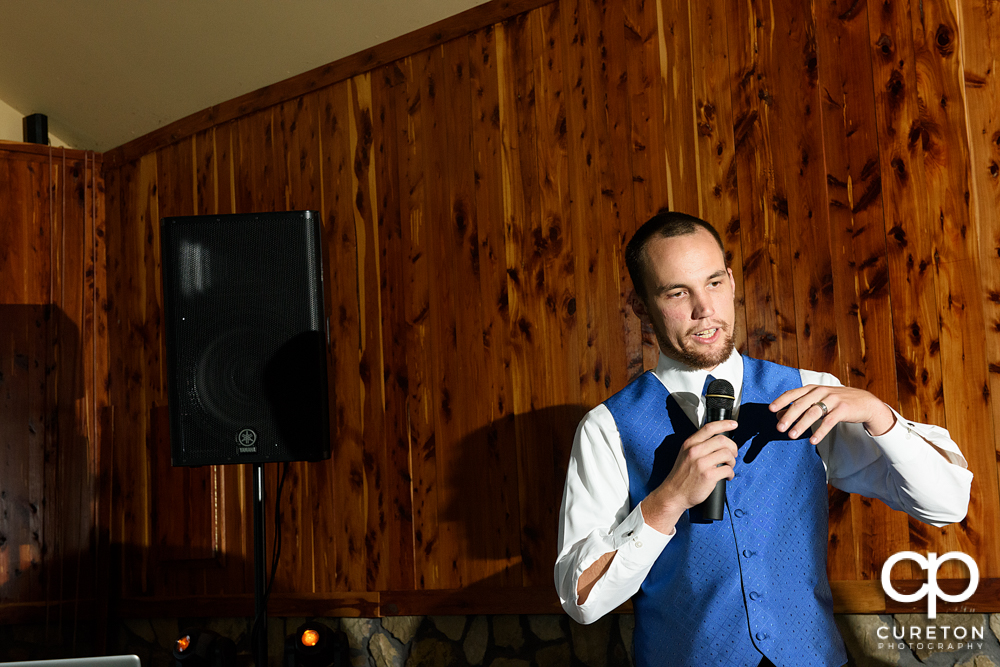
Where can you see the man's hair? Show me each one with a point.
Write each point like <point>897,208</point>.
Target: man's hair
<point>664,224</point>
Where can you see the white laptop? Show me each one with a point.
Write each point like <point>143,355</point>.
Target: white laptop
<point>105,661</point>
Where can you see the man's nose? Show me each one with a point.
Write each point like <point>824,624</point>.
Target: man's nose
<point>702,306</point>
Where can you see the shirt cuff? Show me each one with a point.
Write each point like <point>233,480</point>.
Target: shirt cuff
<point>637,542</point>
<point>900,443</point>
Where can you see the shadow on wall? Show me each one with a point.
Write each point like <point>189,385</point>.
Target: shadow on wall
<point>504,485</point>
<point>47,488</point>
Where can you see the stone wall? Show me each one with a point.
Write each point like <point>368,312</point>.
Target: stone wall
<point>912,640</point>
<point>951,640</point>
<point>418,641</point>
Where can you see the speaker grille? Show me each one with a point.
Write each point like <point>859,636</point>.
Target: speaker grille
<point>245,338</point>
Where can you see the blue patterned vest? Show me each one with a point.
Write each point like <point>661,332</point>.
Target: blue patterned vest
<point>754,583</point>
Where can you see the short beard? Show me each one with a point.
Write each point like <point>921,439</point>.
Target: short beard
<point>704,361</point>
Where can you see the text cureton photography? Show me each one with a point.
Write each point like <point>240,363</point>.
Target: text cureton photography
<point>932,637</point>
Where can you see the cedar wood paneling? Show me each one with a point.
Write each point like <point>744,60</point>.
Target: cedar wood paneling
<point>476,196</point>
<point>53,384</point>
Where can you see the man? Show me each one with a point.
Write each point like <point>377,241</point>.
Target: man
<point>751,589</point>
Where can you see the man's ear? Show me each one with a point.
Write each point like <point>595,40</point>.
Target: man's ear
<point>638,307</point>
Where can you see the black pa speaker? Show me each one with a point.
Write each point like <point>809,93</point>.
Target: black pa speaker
<point>246,338</point>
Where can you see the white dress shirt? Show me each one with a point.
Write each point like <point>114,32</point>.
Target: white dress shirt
<point>916,468</point>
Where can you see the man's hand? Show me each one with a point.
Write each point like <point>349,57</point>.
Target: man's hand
<point>704,459</point>
<point>844,404</point>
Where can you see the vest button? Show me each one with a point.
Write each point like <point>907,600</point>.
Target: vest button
<point>761,636</point>
<point>754,595</point>
<point>739,514</point>
<point>749,554</point>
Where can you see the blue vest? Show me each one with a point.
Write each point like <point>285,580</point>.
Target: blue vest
<point>755,583</point>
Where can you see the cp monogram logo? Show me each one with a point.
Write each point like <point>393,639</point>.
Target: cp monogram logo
<point>930,589</point>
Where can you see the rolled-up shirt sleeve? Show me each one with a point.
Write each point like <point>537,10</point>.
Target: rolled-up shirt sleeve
<point>596,519</point>
<point>914,468</point>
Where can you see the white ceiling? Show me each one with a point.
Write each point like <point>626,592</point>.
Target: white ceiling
<point>108,71</point>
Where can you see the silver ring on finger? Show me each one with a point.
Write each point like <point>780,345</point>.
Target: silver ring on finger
<point>822,406</point>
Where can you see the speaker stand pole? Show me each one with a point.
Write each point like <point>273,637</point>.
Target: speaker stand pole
<point>259,648</point>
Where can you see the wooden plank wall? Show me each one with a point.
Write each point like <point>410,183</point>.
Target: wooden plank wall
<point>53,381</point>
<point>476,196</point>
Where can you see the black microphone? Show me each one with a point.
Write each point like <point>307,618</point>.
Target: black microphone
<point>719,401</point>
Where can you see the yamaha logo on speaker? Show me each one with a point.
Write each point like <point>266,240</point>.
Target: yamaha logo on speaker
<point>247,438</point>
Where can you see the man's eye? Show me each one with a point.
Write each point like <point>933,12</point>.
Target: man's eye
<point>674,295</point>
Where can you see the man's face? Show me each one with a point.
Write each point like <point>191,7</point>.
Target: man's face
<point>691,298</point>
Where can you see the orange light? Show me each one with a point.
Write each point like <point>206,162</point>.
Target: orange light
<point>310,638</point>
<point>183,643</point>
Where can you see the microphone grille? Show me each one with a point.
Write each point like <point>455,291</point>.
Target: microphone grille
<point>720,395</point>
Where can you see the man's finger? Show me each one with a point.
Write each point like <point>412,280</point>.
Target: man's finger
<point>789,397</point>
<point>825,426</point>
<point>724,458</point>
<point>801,407</point>
<point>712,429</point>
<point>716,466</point>
<point>810,416</point>
<point>713,447</point>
